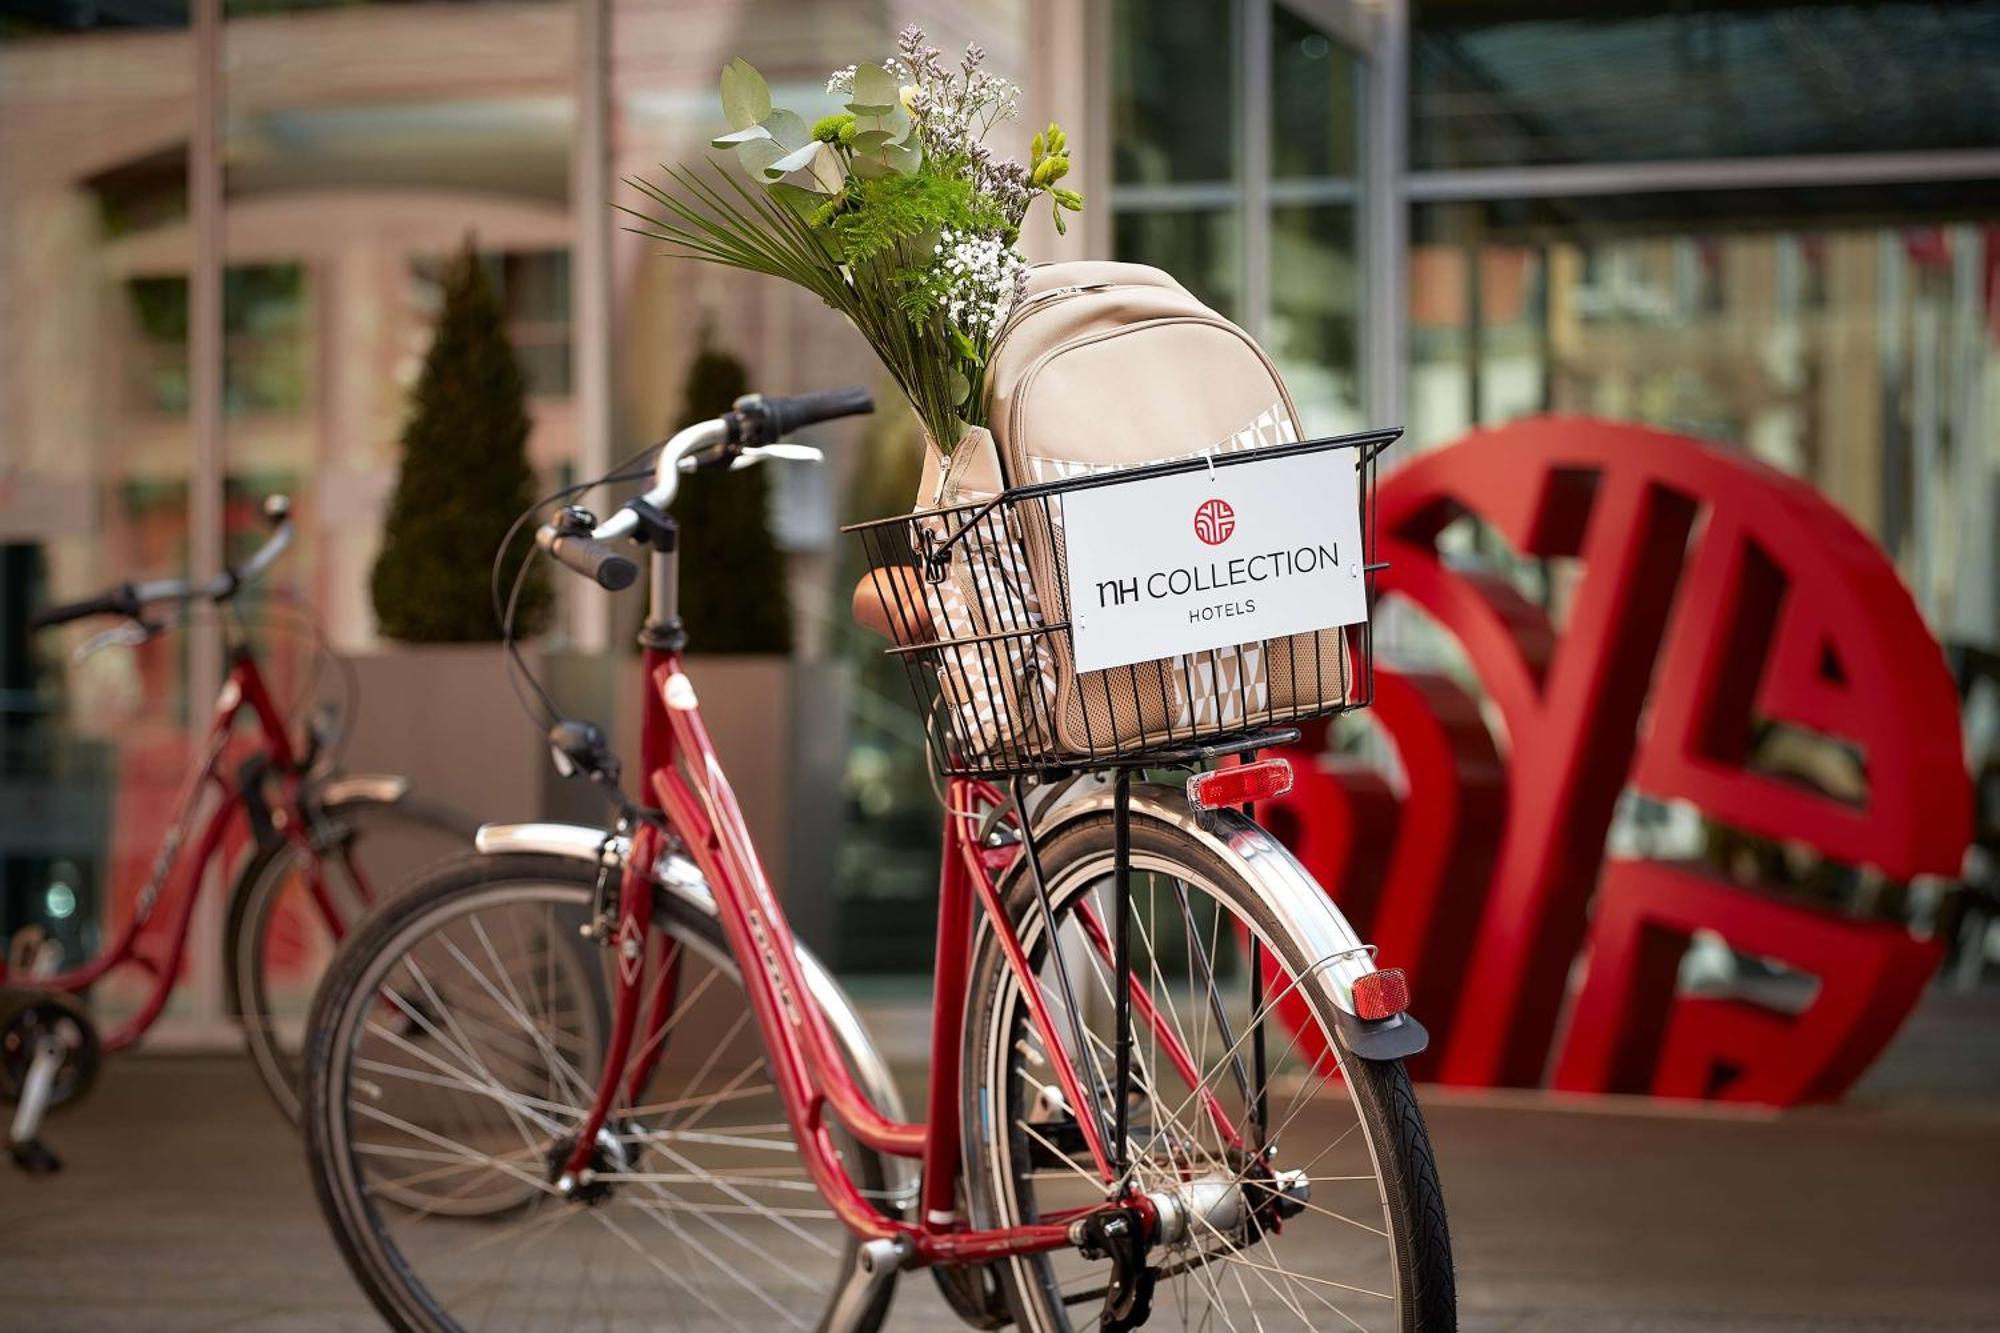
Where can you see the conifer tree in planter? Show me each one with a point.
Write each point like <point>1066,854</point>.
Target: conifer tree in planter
<point>734,596</point>
<point>464,478</point>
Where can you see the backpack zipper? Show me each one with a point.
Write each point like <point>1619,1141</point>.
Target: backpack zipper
<point>1041,300</point>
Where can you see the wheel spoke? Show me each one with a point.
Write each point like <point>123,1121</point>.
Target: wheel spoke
<point>467,1055</point>
<point>1331,1263</point>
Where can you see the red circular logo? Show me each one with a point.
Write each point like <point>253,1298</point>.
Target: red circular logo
<point>1214,521</point>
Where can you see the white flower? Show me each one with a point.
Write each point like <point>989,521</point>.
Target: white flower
<point>980,277</point>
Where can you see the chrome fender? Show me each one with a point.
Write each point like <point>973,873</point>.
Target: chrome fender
<point>679,876</point>
<point>1291,894</point>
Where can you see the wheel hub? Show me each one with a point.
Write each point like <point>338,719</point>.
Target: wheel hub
<point>590,1184</point>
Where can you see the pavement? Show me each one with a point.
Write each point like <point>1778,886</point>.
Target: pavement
<point>185,1206</point>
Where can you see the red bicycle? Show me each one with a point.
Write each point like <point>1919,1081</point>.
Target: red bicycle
<point>588,1079</point>
<point>320,843</point>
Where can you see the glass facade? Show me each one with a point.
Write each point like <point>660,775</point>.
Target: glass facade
<point>1834,336</point>
<point>1236,147</point>
<point>98,455</point>
<point>1774,225</point>
<point>353,159</point>
<point>1517,84</point>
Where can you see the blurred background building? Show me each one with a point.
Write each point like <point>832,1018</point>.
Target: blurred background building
<point>1772,224</point>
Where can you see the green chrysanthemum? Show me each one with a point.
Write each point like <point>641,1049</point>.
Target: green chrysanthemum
<point>836,128</point>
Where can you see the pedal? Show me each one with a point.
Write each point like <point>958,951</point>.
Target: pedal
<point>34,1158</point>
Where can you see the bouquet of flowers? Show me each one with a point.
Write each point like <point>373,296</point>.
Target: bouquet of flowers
<point>894,212</point>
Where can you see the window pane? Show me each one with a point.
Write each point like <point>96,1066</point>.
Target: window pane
<point>265,354</point>
<point>1315,100</point>
<point>337,186</point>
<point>1315,303</point>
<point>1506,85</point>
<point>1173,98</point>
<point>52,18</point>
<point>1854,355</point>
<point>1199,247</point>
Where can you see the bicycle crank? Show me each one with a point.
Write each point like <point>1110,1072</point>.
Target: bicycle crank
<point>49,1054</point>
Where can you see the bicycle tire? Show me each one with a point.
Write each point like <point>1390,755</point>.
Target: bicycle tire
<point>994,1082</point>
<point>398,1292</point>
<point>255,895</point>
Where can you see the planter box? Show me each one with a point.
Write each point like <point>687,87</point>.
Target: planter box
<point>445,716</point>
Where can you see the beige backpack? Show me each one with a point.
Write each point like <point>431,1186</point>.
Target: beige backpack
<point>1102,366</point>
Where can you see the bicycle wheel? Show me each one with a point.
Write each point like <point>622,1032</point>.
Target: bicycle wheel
<point>447,1056</point>
<point>277,942</point>
<point>1340,1224</point>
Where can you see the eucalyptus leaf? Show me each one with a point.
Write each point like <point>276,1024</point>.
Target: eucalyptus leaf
<point>741,136</point>
<point>788,129</point>
<point>871,141</point>
<point>746,98</point>
<point>904,158</point>
<point>757,154</point>
<point>875,90</point>
<point>827,169</point>
<point>871,168</point>
<point>796,160</point>
<point>961,387</point>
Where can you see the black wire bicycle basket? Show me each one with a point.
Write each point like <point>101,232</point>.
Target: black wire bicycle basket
<point>977,598</point>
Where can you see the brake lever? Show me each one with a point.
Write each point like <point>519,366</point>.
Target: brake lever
<point>749,455</point>
<point>782,451</point>
<point>128,635</point>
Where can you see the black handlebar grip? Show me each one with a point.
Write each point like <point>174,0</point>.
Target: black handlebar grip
<point>788,414</point>
<point>610,568</point>
<point>122,600</point>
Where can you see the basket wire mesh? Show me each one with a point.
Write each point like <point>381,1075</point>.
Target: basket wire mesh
<point>981,625</point>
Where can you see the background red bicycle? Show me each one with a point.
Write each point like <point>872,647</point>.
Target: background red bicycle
<point>318,848</point>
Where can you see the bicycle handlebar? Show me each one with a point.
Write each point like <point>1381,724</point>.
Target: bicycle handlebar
<point>781,416</point>
<point>130,599</point>
<point>754,421</point>
<point>589,557</point>
<point>122,600</point>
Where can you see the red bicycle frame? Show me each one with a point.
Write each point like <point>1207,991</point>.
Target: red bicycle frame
<point>685,777</point>
<point>243,690</point>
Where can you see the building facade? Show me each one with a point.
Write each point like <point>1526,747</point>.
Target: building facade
<point>1775,225</point>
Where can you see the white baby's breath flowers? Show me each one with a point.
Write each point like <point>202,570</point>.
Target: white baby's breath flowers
<point>978,277</point>
<point>841,81</point>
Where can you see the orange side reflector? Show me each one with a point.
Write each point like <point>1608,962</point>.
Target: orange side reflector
<point>1382,994</point>
<point>1239,784</point>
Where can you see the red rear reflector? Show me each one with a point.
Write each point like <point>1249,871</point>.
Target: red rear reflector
<point>1240,784</point>
<point>1382,994</point>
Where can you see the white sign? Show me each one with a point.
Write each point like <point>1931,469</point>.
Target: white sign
<point>1212,558</point>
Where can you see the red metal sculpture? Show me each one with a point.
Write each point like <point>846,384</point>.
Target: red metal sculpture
<point>1714,599</point>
